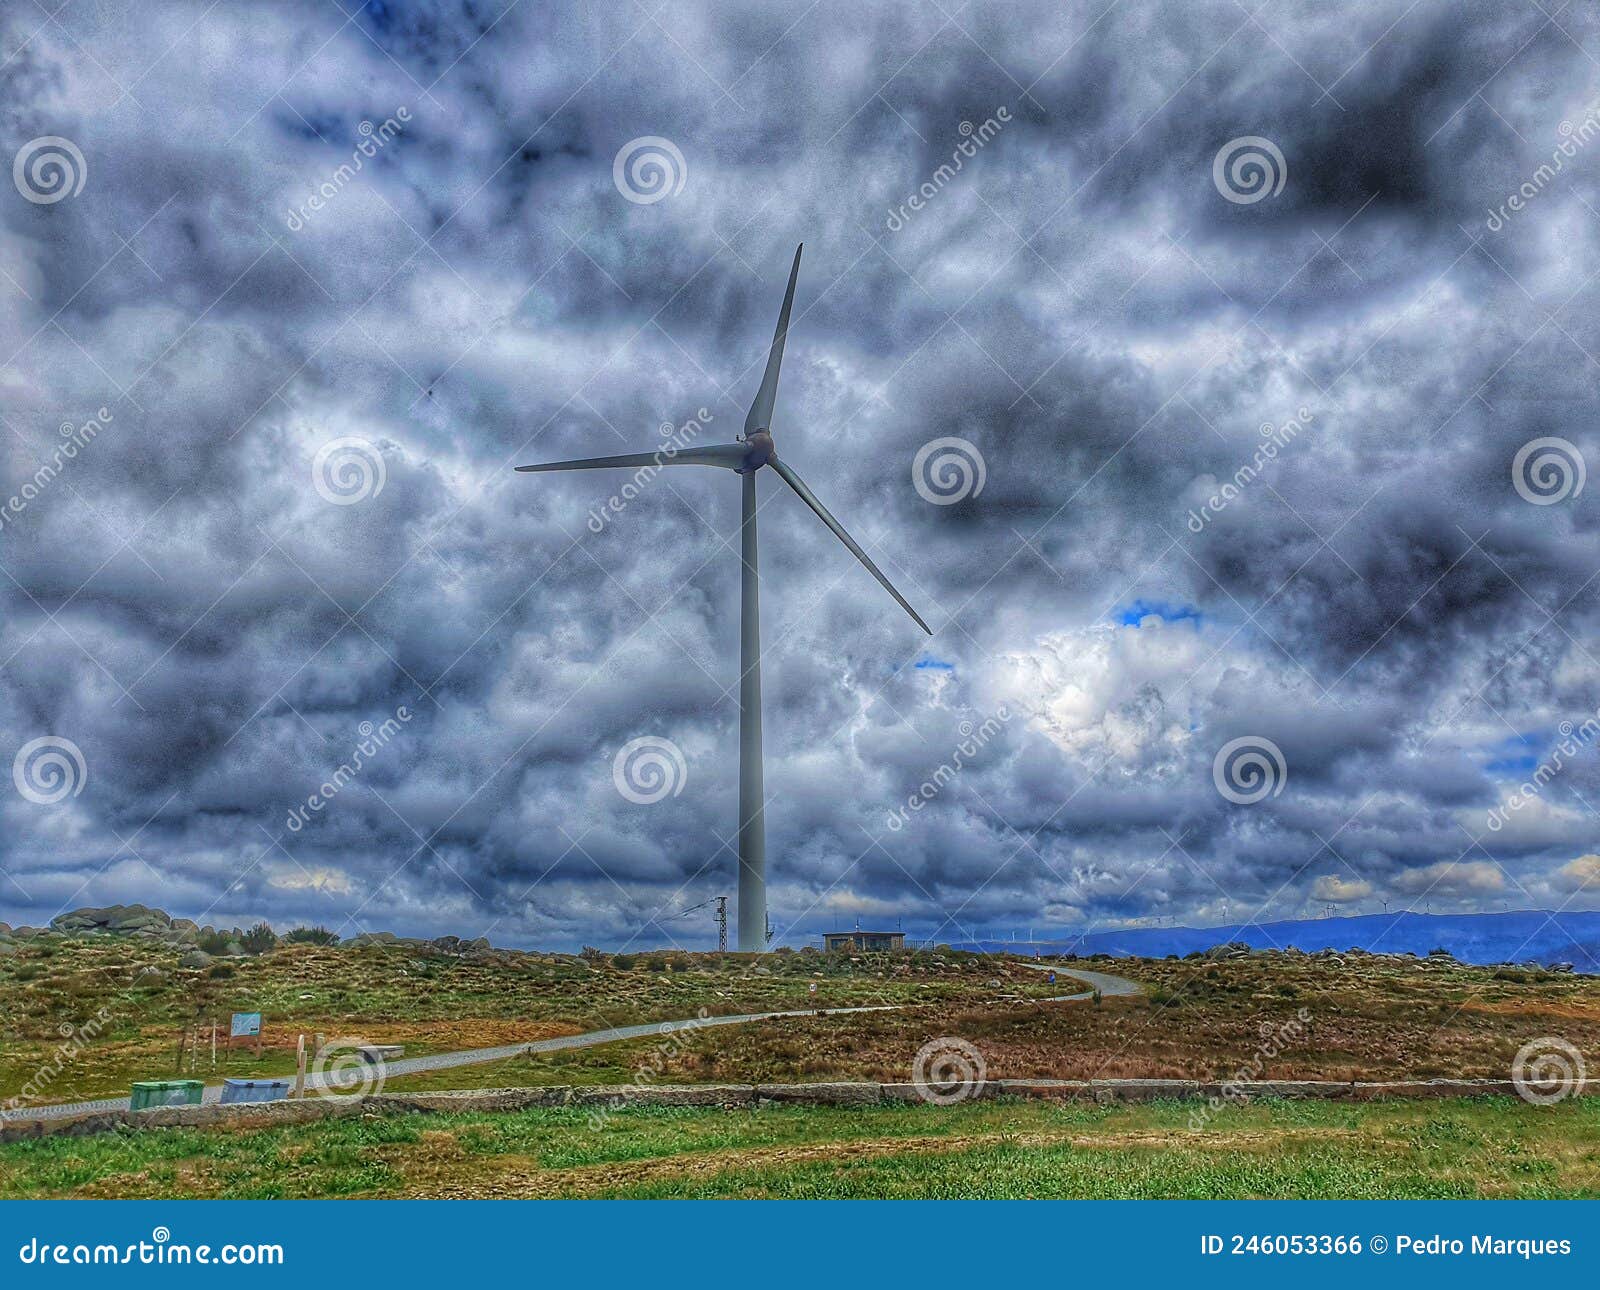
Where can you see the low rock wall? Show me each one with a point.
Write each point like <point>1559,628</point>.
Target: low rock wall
<point>261,1115</point>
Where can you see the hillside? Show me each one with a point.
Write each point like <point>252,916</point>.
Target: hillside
<point>85,1012</point>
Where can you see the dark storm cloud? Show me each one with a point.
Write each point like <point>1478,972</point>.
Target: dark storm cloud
<point>1077,300</point>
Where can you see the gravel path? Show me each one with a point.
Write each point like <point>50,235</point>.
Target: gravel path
<point>1101,981</point>
<point>339,1078</point>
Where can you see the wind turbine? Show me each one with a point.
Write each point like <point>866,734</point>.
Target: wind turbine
<point>753,450</point>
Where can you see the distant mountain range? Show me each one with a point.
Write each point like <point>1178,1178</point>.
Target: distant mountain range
<point>1520,936</point>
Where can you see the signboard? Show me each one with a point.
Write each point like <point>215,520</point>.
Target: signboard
<point>246,1025</point>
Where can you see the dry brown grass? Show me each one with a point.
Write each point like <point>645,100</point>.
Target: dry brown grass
<point>1370,1019</point>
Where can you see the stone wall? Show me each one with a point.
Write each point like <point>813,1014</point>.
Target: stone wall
<point>271,1114</point>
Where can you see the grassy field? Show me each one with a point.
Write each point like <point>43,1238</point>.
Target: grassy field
<point>1368,1019</point>
<point>1278,1016</point>
<point>52,988</point>
<point>1457,1148</point>
<point>1363,1018</point>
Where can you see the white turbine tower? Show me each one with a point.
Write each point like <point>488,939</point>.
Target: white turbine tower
<point>753,450</point>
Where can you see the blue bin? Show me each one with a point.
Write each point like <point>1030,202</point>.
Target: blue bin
<point>254,1090</point>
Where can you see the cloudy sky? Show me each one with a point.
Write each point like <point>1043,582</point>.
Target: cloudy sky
<point>1244,316</point>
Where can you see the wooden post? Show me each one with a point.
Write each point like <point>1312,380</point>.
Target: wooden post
<point>213,1045</point>
<point>300,1068</point>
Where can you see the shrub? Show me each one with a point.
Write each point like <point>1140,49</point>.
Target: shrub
<point>259,939</point>
<point>656,965</point>
<point>220,971</point>
<point>212,942</point>
<point>310,936</point>
<point>623,961</point>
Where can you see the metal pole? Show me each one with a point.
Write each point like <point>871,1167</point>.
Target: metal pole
<point>752,832</point>
<point>722,924</point>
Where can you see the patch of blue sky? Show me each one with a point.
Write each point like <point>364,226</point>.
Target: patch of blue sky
<point>1132,615</point>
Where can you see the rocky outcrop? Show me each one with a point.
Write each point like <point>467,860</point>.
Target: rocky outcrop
<point>124,920</point>
<point>451,946</point>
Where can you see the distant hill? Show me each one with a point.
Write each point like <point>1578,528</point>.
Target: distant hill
<point>1520,936</point>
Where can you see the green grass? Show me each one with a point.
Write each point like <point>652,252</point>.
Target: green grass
<point>51,986</point>
<point>1453,1148</point>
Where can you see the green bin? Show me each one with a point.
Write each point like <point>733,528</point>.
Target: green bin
<point>164,1092</point>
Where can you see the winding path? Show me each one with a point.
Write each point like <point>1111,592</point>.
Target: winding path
<point>1106,984</point>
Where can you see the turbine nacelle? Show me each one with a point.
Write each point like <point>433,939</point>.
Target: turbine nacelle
<point>759,451</point>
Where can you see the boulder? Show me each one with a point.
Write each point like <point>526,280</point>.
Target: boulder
<point>122,920</point>
<point>195,959</point>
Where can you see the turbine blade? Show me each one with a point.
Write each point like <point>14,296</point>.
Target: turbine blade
<point>760,417</point>
<point>730,455</point>
<point>795,482</point>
